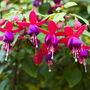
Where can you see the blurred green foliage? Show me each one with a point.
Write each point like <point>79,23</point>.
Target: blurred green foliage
<point>20,72</point>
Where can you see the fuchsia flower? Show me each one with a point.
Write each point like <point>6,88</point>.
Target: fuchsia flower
<point>82,54</point>
<point>51,37</point>
<point>32,31</point>
<point>72,42</point>
<point>76,24</point>
<point>41,53</point>
<point>8,37</point>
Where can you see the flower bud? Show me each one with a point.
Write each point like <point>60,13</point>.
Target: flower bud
<point>76,24</point>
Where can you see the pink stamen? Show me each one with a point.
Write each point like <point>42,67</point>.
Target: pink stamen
<point>7,51</point>
<point>84,63</point>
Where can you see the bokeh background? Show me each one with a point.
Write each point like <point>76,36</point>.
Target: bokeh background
<point>20,72</point>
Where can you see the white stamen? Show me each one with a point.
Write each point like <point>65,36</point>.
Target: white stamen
<point>49,69</point>
<point>75,57</point>
<point>84,63</point>
<point>7,47</point>
<point>36,46</point>
<point>51,49</point>
<point>85,68</point>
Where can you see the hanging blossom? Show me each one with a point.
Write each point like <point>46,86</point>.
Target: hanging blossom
<point>71,40</point>
<point>51,40</point>
<point>82,54</point>
<point>8,37</point>
<point>76,46</point>
<point>32,31</point>
<point>41,53</point>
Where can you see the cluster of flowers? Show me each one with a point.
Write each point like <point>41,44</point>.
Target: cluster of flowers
<point>70,39</point>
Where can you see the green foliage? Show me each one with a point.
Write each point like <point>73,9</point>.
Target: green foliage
<point>70,4</point>
<point>20,72</point>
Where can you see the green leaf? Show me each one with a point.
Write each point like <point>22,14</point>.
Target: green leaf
<point>43,8</point>
<point>41,37</point>
<point>8,16</point>
<point>73,77</point>
<point>2,55</point>
<point>58,9</point>
<point>70,4</point>
<point>86,33</point>
<point>3,84</point>
<point>80,18</point>
<point>59,17</point>
<point>29,67</point>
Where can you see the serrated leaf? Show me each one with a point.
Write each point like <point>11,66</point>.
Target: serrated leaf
<point>73,77</point>
<point>59,17</point>
<point>80,18</point>
<point>70,4</point>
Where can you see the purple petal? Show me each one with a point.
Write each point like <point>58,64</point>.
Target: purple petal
<point>48,39</point>
<point>56,1</point>
<point>33,29</point>
<point>74,42</point>
<point>54,40</point>
<point>35,3</point>
<point>48,57</point>
<point>83,53</point>
<point>8,36</point>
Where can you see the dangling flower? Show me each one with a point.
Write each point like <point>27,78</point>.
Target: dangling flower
<point>82,54</point>
<point>8,37</point>
<point>48,61</point>
<point>71,40</point>
<point>32,31</point>
<point>74,44</point>
<point>35,3</point>
<point>51,39</point>
<point>82,57</point>
<point>76,24</point>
